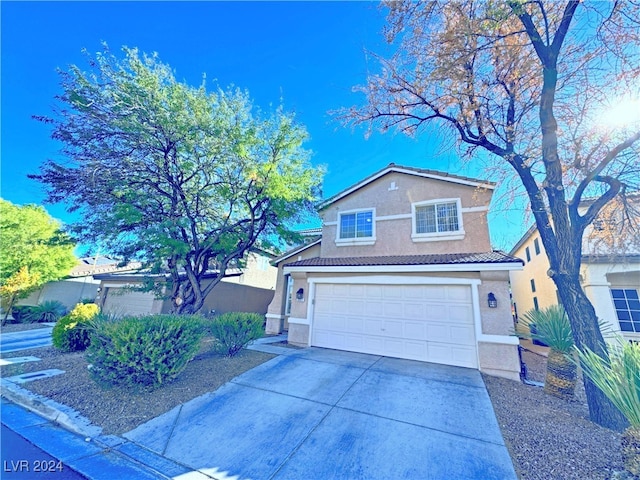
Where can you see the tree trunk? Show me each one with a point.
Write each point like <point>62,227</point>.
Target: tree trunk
<point>586,333</point>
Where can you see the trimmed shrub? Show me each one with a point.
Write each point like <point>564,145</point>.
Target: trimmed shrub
<point>48,311</point>
<point>234,330</point>
<point>72,332</point>
<point>144,351</point>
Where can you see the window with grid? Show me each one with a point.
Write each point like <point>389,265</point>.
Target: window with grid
<point>627,305</point>
<point>356,225</point>
<point>439,217</point>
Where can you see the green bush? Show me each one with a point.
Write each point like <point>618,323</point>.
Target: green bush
<point>72,332</point>
<point>48,311</point>
<point>234,330</point>
<point>146,351</point>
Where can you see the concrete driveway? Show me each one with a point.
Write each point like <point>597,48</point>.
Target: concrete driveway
<point>326,414</point>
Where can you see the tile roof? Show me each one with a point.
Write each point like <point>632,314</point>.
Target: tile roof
<point>434,259</point>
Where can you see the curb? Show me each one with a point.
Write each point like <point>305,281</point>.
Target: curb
<point>71,438</point>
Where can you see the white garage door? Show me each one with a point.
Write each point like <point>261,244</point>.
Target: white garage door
<point>432,323</point>
<point>121,301</point>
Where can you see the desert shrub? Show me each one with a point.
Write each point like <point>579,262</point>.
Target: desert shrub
<point>144,351</point>
<point>234,330</point>
<point>72,332</point>
<point>48,311</point>
<point>22,313</point>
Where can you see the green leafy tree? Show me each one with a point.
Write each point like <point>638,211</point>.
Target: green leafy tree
<point>183,179</point>
<point>545,90</point>
<point>33,251</point>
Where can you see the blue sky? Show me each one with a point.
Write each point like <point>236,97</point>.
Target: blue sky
<point>310,55</point>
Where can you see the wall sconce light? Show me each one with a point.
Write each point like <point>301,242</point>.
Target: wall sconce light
<point>300,294</point>
<point>491,299</point>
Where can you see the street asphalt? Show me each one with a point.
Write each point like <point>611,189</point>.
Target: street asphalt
<point>306,414</point>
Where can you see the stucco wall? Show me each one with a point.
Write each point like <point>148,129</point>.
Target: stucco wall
<point>535,269</point>
<point>258,272</point>
<point>276,318</point>
<point>392,196</point>
<point>68,292</point>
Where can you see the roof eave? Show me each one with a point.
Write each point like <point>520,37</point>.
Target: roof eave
<point>431,268</point>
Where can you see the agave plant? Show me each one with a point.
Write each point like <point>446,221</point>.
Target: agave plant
<point>551,326</point>
<point>619,379</point>
<point>48,311</point>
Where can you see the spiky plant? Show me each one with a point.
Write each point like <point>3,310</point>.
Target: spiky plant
<point>619,379</point>
<point>552,327</point>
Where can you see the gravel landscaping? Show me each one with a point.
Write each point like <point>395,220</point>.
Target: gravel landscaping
<point>547,438</point>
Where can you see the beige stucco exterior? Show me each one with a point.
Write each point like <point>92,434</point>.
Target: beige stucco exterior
<point>391,195</point>
<point>598,275</point>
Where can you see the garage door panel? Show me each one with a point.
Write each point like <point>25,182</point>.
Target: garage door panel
<point>435,292</point>
<point>374,309</point>
<point>459,293</point>
<point>460,314</point>
<point>420,322</point>
<point>414,310</point>
<point>391,309</point>
<point>415,330</point>
<point>394,328</point>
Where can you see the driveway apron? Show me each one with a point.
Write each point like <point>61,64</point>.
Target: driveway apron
<point>318,413</point>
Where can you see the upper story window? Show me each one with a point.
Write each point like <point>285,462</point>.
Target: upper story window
<point>527,252</point>
<point>536,246</point>
<point>356,227</point>
<point>437,220</point>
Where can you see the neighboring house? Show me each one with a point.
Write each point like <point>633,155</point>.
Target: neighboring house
<point>403,268</point>
<point>610,280</point>
<point>249,289</point>
<point>80,284</point>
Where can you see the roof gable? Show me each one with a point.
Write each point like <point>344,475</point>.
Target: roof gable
<point>419,172</point>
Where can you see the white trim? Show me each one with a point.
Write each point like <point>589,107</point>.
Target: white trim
<point>394,280</point>
<point>311,305</point>
<point>330,224</point>
<point>474,209</point>
<point>499,339</point>
<point>399,216</point>
<point>350,242</point>
<point>274,315</point>
<point>452,267</point>
<point>437,236</point>
<point>299,321</point>
<point>356,240</point>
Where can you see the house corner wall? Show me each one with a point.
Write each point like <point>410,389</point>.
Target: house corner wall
<point>497,347</point>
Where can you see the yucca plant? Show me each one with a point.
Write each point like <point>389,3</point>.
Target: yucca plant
<point>48,311</point>
<point>552,327</point>
<point>619,379</point>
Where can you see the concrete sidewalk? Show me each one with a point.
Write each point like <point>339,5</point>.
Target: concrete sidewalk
<point>311,413</point>
<point>36,338</point>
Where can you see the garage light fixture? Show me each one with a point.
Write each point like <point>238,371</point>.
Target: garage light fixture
<point>491,299</point>
<point>300,294</point>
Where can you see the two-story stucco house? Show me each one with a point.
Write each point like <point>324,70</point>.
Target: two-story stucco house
<point>610,277</point>
<point>403,268</point>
